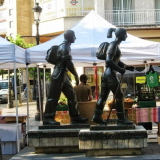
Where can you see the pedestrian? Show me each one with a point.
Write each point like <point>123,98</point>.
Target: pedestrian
<point>83,90</point>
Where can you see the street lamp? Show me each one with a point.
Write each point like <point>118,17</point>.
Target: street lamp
<point>37,12</point>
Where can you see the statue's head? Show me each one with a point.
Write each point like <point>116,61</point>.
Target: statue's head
<point>119,32</point>
<point>69,35</point>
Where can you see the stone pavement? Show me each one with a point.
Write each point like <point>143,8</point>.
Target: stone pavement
<point>152,151</point>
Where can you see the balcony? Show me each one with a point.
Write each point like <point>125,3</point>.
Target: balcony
<point>133,17</point>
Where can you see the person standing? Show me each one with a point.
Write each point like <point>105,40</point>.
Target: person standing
<point>60,82</point>
<point>109,80</point>
<point>83,90</point>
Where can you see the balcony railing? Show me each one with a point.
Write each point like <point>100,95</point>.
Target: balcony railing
<point>133,17</point>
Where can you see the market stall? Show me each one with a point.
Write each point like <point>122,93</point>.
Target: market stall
<point>12,57</point>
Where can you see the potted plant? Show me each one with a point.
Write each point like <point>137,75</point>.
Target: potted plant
<point>62,114</point>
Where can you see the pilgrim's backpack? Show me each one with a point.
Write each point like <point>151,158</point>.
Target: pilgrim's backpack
<point>101,53</point>
<point>52,56</point>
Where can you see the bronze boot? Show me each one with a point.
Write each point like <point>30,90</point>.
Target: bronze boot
<point>97,117</point>
<point>122,120</point>
<point>48,119</point>
<point>78,119</point>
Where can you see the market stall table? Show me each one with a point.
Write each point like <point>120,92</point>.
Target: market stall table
<point>11,118</point>
<point>151,114</point>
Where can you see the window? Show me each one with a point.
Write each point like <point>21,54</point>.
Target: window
<point>11,24</point>
<point>4,85</point>
<point>10,12</point>
<point>157,11</point>
<point>123,12</point>
<point>11,35</point>
<point>1,15</point>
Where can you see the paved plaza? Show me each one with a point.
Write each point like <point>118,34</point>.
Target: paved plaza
<point>152,151</point>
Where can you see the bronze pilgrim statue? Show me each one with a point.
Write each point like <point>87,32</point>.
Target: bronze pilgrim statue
<point>60,82</point>
<point>110,81</point>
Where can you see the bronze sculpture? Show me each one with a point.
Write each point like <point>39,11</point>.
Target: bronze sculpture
<point>110,82</point>
<point>60,81</point>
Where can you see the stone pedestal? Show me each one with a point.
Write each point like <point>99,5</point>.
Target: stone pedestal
<point>113,142</point>
<point>159,140</point>
<point>69,126</point>
<point>55,139</point>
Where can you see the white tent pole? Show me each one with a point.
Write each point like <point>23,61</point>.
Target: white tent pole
<point>20,91</point>
<point>44,82</point>
<point>83,8</point>
<point>27,77</point>
<point>39,93</point>
<point>9,105</point>
<point>15,92</point>
<point>134,85</point>
<point>122,11</point>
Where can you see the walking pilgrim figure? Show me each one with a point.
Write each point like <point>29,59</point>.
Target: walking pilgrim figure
<point>60,82</point>
<point>109,80</point>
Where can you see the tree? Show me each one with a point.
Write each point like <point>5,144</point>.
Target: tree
<point>33,73</point>
<point>19,41</point>
<point>2,72</point>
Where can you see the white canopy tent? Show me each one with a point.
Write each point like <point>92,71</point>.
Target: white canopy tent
<point>11,54</point>
<point>90,32</point>
<point>12,57</point>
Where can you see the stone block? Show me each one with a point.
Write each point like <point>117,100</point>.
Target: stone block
<point>113,142</point>
<point>89,144</point>
<point>68,126</point>
<point>158,140</point>
<point>108,144</point>
<point>54,140</point>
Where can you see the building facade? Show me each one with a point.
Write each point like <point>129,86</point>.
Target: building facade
<point>140,18</point>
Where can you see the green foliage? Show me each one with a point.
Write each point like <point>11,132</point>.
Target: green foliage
<point>62,101</point>
<point>48,75</point>
<point>33,73</point>
<point>2,72</point>
<point>19,41</point>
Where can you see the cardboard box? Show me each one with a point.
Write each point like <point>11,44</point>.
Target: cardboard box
<point>146,104</point>
<point>12,118</point>
<point>131,114</point>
